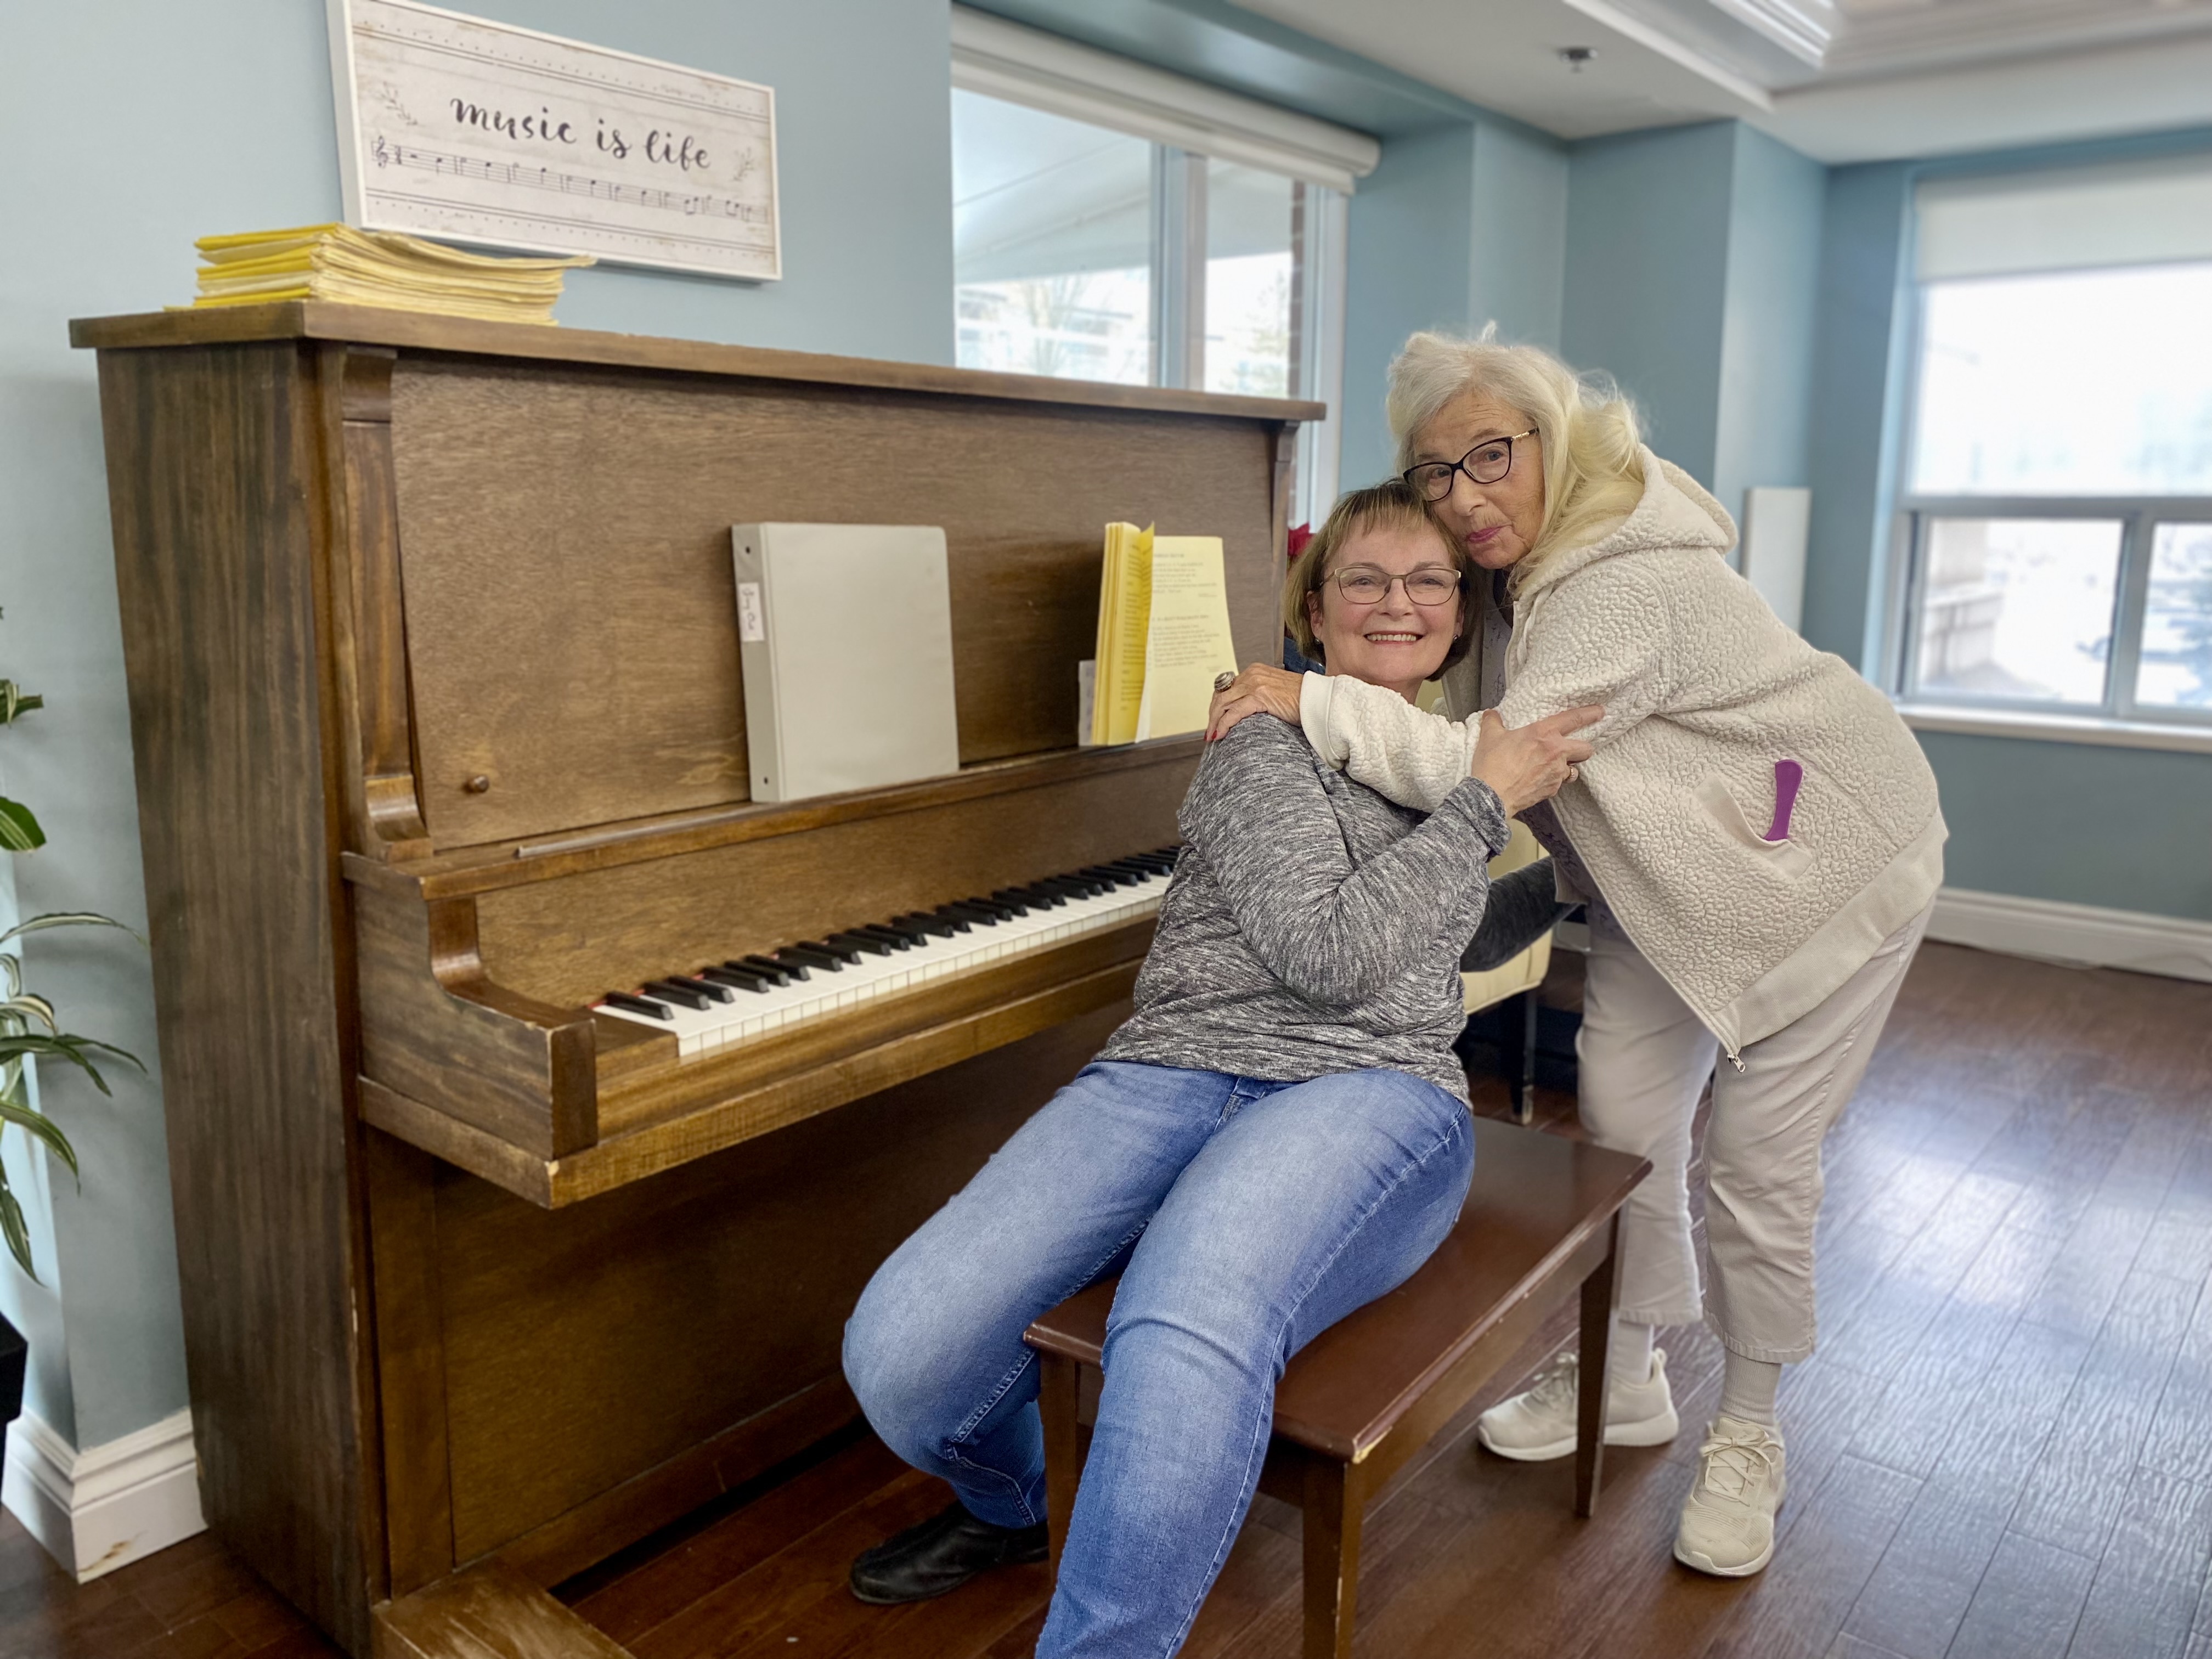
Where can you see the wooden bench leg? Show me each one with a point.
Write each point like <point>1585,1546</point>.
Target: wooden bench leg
<point>1058,1387</point>
<point>1600,1292</point>
<point>1332,1510</point>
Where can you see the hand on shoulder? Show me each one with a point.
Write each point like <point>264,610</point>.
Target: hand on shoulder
<point>1526,764</point>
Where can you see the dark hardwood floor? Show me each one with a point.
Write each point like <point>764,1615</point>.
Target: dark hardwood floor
<point>2002,1450</point>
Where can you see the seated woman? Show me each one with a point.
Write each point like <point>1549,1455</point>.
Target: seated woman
<point>1277,1136</point>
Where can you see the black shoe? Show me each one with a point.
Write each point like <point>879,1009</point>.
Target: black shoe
<point>941,1554</point>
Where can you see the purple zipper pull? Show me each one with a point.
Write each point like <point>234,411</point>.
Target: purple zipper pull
<point>1788,775</point>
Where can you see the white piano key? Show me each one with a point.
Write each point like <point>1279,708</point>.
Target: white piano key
<point>752,1015</point>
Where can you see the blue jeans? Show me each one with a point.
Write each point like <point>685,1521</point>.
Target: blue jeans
<point>1245,1218</point>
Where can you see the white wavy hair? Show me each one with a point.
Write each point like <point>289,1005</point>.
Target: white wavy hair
<point>1592,443</point>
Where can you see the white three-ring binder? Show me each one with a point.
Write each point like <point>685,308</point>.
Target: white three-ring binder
<point>845,638</point>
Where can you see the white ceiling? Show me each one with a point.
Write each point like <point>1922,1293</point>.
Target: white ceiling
<point>1840,80</point>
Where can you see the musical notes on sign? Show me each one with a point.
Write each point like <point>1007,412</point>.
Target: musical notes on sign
<point>475,131</point>
<point>523,175</point>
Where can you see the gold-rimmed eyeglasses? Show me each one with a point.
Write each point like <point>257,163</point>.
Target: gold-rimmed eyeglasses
<point>1425,585</point>
<point>1486,463</point>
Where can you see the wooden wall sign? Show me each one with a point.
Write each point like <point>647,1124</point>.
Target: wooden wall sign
<point>475,132</point>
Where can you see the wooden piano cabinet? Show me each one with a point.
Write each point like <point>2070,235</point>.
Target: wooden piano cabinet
<point>431,643</point>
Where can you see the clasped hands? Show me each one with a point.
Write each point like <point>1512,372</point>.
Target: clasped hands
<point>1522,764</point>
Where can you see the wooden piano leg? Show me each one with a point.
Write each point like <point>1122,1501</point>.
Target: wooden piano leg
<point>491,1612</point>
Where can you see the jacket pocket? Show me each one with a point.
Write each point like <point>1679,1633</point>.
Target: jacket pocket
<point>1786,857</point>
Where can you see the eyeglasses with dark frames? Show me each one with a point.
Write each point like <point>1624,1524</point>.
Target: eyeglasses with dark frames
<point>1485,464</point>
<point>1425,585</point>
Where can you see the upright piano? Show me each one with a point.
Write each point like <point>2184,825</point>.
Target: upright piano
<point>434,692</point>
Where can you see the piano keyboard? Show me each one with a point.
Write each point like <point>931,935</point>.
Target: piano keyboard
<point>749,997</point>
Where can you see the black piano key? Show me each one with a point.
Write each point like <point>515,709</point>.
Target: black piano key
<point>862,942</point>
<point>628,1004</point>
<point>961,924</point>
<point>983,915</point>
<point>1033,895</point>
<point>714,992</point>
<point>758,975</point>
<point>829,948</point>
<point>802,954</point>
<point>681,995</point>
<point>757,983</point>
<point>1020,902</point>
<point>1136,867</point>
<point>1108,872</point>
<point>888,934</point>
<point>929,926</point>
<point>769,965</point>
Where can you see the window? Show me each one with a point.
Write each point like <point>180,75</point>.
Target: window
<point>2058,478</point>
<point>1052,236</point>
<point>1114,223</point>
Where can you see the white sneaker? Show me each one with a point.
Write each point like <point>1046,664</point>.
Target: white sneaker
<point>1539,1422</point>
<point>1728,1524</point>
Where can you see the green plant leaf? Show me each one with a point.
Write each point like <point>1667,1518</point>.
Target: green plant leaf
<point>34,1122</point>
<point>66,918</point>
<point>29,1005</point>
<point>74,1049</point>
<point>14,701</point>
<point>11,1226</point>
<point>19,829</point>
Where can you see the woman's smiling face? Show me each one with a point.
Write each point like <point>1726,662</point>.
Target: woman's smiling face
<point>1391,641</point>
<point>1496,523</point>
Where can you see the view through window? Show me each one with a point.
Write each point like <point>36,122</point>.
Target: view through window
<point>1059,242</point>
<point>1052,234</point>
<point>2060,481</point>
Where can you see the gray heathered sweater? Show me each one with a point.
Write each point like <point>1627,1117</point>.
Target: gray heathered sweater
<point>1313,926</point>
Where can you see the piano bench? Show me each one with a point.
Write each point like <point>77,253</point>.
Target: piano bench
<point>1366,1395</point>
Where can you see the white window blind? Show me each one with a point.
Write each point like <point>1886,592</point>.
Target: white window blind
<point>1027,66</point>
<point>2066,219</point>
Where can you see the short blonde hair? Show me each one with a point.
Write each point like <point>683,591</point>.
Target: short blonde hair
<point>1592,444</point>
<point>1391,505</point>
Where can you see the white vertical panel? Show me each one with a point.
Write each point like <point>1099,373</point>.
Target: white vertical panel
<point>1776,523</point>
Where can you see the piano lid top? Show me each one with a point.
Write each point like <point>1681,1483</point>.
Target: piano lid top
<point>317,320</point>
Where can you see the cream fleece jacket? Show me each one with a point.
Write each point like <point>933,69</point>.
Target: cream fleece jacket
<point>1704,691</point>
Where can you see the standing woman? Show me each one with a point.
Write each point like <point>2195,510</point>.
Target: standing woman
<point>1757,838</point>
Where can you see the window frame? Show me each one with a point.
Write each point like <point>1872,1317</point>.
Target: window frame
<point>1187,123</point>
<point>2117,716</point>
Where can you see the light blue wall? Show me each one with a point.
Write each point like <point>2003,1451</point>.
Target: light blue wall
<point>1455,227</point>
<point>1410,227</point>
<point>1860,370</point>
<point>1693,259</point>
<point>1517,259</point>
<point>2126,829</point>
<point>214,117</point>
<point>1765,401</point>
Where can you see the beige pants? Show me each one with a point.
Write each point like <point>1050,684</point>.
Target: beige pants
<point>1644,1059</point>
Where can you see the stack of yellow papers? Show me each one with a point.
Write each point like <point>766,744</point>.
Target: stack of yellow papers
<point>1163,634</point>
<point>376,268</point>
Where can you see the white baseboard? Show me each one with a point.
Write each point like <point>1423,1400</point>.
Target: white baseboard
<point>105,1506</point>
<point>2078,935</point>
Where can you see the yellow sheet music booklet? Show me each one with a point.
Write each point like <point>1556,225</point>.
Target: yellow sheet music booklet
<point>1163,634</point>
<point>377,268</point>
